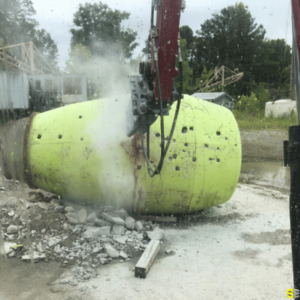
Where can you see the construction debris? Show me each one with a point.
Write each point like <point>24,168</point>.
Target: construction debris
<point>147,259</point>
<point>85,237</point>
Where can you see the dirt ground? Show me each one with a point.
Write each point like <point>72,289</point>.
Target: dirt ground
<point>262,144</point>
<point>239,250</point>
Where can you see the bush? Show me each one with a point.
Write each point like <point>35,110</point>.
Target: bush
<point>255,102</point>
<point>248,104</point>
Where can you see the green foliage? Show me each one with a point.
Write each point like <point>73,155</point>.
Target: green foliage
<point>100,30</point>
<point>232,38</point>
<point>79,56</point>
<point>46,45</point>
<point>272,65</point>
<point>257,121</point>
<point>187,34</point>
<point>187,72</point>
<point>205,76</point>
<point>17,25</point>
<point>262,95</point>
<point>255,102</point>
<point>248,103</point>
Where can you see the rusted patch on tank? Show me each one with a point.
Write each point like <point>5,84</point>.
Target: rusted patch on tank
<point>26,153</point>
<point>134,150</point>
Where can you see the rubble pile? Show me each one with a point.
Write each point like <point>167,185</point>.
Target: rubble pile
<point>43,228</point>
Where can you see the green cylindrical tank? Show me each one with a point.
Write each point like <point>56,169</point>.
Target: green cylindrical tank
<point>82,153</point>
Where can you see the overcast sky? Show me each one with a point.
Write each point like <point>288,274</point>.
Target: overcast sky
<point>56,17</point>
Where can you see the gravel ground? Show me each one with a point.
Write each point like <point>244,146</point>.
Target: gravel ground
<point>262,144</point>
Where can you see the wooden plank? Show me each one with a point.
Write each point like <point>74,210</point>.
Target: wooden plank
<point>158,219</point>
<point>143,265</point>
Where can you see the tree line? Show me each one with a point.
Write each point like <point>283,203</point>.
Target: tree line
<point>230,37</point>
<point>17,25</point>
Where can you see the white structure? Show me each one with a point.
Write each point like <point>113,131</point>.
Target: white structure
<point>72,88</point>
<point>14,90</point>
<point>280,108</point>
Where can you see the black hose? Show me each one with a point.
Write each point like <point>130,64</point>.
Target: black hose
<point>164,149</point>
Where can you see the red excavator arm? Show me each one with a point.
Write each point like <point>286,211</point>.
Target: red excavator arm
<point>167,26</point>
<point>153,92</point>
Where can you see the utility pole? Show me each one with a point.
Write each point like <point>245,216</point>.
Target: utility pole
<point>292,79</point>
<point>223,71</point>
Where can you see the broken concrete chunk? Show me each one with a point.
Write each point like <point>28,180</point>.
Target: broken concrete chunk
<point>43,205</point>
<point>129,223</point>
<point>138,226</point>
<point>12,229</point>
<point>39,247</point>
<point>122,213</point>
<point>82,215</point>
<point>92,217</point>
<point>92,233</point>
<point>35,197</point>
<point>12,254</point>
<point>72,217</point>
<point>97,249</point>
<point>38,217</point>
<point>65,226</point>
<point>35,256</point>
<point>108,208</point>
<point>118,230</point>
<point>69,209</point>
<point>111,251</point>
<point>55,201</point>
<point>53,241</point>
<point>156,234</point>
<point>11,213</point>
<point>123,255</point>
<point>59,209</point>
<point>115,220</point>
<point>102,255</point>
<point>100,223</point>
<point>7,248</point>
<point>169,251</point>
<point>104,261</point>
<point>120,239</point>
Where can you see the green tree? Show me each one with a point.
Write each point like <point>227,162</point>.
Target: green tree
<point>100,30</point>
<point>205,76</point>
<point>187,34</point>
<point>17,25</point>
<point>263,95</point>
<point>271,63</point>
<point>232,38</point>
<point>248,103</point>
<point>46,45</point>
<point>78,58</point>
<point>187,86</point>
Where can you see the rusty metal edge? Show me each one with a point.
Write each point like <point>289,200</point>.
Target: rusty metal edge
<point>26,153</point>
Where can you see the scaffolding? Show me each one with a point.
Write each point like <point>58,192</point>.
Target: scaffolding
<point>31,60</point>
<point>212,83</point>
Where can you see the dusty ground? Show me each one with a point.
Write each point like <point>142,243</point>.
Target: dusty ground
<point>239,250</point>
<point>262,144</point>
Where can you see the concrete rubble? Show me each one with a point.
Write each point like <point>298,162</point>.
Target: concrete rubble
<point>83,237</point>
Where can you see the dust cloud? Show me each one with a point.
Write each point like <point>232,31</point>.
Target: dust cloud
<point>116,179</point>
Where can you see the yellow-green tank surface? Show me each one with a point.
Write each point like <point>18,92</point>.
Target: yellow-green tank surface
<point>82,153</point>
